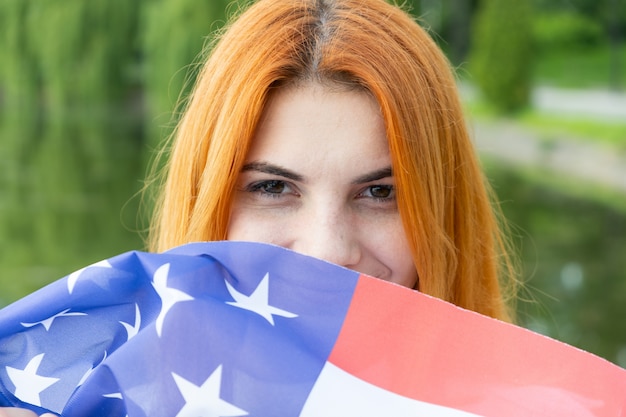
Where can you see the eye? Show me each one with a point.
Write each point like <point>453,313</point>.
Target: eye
<point>270,187</point>
<point>379,192</point>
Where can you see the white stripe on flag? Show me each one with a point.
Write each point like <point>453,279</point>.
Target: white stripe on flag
<point>337,393</point>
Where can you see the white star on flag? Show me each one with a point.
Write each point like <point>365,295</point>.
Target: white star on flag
<point>89,372</point>
<point>73,277</point>
<point>258,301</point>
<point>169,296</point>
<point>130,329</point>
<point>28,385</point>
<point>47,323</point>
<point>204,400</point>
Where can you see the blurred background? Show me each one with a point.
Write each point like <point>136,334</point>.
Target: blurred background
<point>88,90</point>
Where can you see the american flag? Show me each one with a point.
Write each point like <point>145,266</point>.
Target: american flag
<point>249,329</point>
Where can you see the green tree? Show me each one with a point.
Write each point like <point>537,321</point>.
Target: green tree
<point>85,52</point>
<point>174,33</point>
<point>501,53</point>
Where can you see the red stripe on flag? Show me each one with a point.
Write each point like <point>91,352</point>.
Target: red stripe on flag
<point>429,350</point>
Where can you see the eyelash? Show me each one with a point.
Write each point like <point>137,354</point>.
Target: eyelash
<point>260,188</point>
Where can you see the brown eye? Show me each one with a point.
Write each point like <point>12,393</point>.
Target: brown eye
<point>381,191</point>
<point>268,187</point>
<point>272,187</point>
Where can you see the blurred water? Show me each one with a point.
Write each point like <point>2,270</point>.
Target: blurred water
<point>572,253</point>
<point>66,197</point>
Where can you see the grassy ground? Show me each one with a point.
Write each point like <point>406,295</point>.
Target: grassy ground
<point>564,185</point>
<point>550,127</point>
<point>610,133</point>
<point>585,68</point>
<point>601,67</point>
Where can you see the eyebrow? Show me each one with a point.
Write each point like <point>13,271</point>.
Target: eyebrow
<point>374,176</point>
<point>273,170</point>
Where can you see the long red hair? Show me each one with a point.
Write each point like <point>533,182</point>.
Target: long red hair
<point>457,245</point>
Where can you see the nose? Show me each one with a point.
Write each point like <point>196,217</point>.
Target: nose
<point>330,234</point>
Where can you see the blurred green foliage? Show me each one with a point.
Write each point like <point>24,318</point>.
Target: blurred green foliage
<point>566,29</point>
<point>172,35</point>
<point>501,55</point>
<point>610,14</point>
<point>576,69</point>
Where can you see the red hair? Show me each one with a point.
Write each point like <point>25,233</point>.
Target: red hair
<point>457,246</point>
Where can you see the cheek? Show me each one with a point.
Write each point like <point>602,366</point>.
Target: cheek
<point>392,249</point>
<point>251,226</point>
<point>405,273</point>
<point>241,227</point>
<point>403,269</point>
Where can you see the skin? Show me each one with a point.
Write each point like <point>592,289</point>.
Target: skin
<point>318,180</point>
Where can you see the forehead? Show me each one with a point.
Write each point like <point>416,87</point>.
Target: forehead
<point>320,119</point>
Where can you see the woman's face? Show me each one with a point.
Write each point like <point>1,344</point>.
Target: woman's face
<point>318,180</point>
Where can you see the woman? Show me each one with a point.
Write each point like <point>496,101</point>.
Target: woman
<point>331,67</point>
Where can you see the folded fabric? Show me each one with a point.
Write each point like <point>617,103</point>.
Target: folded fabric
<point>249,329</point>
